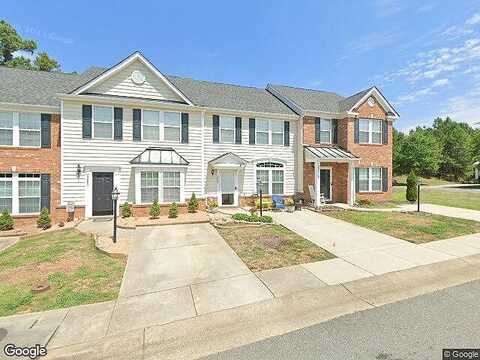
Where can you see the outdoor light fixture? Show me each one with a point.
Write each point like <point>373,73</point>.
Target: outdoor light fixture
<point>79,170</point>
<point>115,194</point>
<point>260,193</point>
<point>212,172</point>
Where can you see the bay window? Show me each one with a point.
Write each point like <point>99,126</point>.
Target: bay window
<point>102,122</point>
<point>370,179</point>
<point>269,132</point>
<point>163,186</point>
<point>227,129</point>
<point>370,131</point>
<point>271,175</point>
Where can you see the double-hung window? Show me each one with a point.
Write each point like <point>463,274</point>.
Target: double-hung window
<point>326,131</point>
<point>28,193</point>
<point>172,126</point>
<point>163,186</point>
<point>270,178</point>
<point>6,128</point>
<point>29,125</point>
<point>269,132</point>
<point>6,193</point>
<point>370,179</point>
<point>370,131</point>
<point>102,122</point>
<point>151,125</point>
<point>227,129</point>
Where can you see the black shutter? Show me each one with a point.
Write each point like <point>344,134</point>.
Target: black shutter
<point>384,179</point>
<point>385,132</point>
<point>251,131</point>
<point>238,130</point>
<point>87,121</point>
<point>45,191</point>
<point>118,123</point>
<point>317,130</point>
<point>137,124</point>
<point>286,133</point>
<point>216,129</point>
<point>185,128</point>
<point>357,179</point>
<point>46,133</point>
<point>335,131</point>
<point>356,132</point>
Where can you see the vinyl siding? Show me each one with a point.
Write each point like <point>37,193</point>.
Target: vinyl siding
<point>121,84</point>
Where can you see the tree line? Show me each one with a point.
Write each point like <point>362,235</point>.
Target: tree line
<point>447,150</point>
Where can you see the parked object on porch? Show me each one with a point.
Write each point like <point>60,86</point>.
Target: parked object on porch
<point>126,210</point>
<point>44,221</point>
<point>411,192</point>
<point>154,211</point>
<point>173,211</point>
<point>6,221</point>
<point>212,205</point>
<point>290,204</point>
<point>193,204</point>
<point>266,203</point>
<point>299,200</point>
<point>277,201</point>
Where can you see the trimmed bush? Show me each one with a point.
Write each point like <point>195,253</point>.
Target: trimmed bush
<point>266,219</point>
<point>126,210</point>
<point>154,211</point>
<point>44,220</point>
<point>212,203</point>
<point>241,217</point>
<point>173,211</point>
<point>266,203</point>
<point>193,204</point>
<point>411,193</point>
<point>6,221</point>
<point>252,218</point>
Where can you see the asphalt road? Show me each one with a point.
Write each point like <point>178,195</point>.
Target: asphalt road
<point>418,328</point>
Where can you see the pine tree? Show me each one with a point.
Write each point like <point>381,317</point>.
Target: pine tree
<point>44,220</point>
<point>193,204</point>
<point>155,210</point>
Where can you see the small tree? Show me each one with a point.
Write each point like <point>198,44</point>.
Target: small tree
<point>411,193</point>
<point>126,210</point>
<point>44,220</point>
<point>193,204</point>
<point>6,221</point>
<point>173,211</point>
<point>155,210</point>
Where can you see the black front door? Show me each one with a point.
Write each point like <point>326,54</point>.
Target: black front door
<point>102,193</point>
<point>325,183</point>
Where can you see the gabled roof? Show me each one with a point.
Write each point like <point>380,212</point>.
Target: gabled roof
<point>159,156</point>
<point>20,86</point>
<point>228,159</point>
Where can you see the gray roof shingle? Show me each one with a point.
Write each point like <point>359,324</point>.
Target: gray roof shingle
<point>227,96</point>
<point>39,87</point>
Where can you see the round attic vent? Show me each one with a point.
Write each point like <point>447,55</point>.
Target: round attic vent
<point>371,101</point>
<point>138,77</point>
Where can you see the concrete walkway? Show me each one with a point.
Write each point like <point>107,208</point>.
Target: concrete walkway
<point>362,252</point>
<point>445,211</point>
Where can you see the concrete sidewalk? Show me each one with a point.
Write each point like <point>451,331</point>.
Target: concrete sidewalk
<point>445,211</point>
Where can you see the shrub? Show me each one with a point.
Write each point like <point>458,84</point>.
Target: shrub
<point>126,210</point>
<point>154,211</point>
<point>289,202</point>
<point>212,203</point>
<point>44,220</point>
<point>6,221</point>
<point>411,193</point>
<point>266,219</point>
<point>193,204</point>
<point>173,211</point>
<point>364,202</point>
<point>266,203</point>
<point>252,218</point>
<point>241,217</point>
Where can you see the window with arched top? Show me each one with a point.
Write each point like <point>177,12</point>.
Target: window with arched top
<point>270,178</point>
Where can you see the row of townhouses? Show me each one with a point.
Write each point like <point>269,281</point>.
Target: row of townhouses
<point>69,139</point>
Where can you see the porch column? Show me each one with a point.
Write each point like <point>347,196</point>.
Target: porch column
<point>351,175</point>
<point>317,183</point>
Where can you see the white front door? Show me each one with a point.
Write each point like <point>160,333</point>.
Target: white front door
<point>228,194</point>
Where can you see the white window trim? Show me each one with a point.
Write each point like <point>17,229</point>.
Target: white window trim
<point>160,170</point>
<point>161,131</point>
<point>93,122</point>
<point>9,179</point>
<point>370,131</point>
<point>15,179</point>
<point>329,131</point>
<point>370,180</point>
<point>270,178</point>
<point>270,132</point>
<point>220,128</point>
<point>16,130</point>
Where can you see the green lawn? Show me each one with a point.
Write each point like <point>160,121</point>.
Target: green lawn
<point>77,272</point>
<point>414,227</point>
<point>271,246</point>
<point>461,199</point>
<point>402,180</point>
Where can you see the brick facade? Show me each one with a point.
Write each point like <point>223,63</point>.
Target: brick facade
<point>40,161</point>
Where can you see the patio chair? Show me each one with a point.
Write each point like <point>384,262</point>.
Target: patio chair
<point>278,202</point>
<point>322,201</point>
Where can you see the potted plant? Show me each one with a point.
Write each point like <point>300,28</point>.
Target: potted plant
<point>212,205</point>
<point>289,204</point>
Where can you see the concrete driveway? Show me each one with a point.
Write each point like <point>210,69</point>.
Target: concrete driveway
<point>361,252</point>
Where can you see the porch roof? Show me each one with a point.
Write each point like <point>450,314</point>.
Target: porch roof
<point>333,154</point>
<point>159,156</point>
<point>227,160</point>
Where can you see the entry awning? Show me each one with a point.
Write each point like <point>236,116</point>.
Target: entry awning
<point>331,154</point>
<point>159,156</point>
<point>227,160</point>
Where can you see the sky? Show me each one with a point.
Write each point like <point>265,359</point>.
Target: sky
<point>423,55</point>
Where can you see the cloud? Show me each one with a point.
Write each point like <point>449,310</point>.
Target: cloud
<point>417,95</point>
<point>474,20</point>
<point>440,82</point>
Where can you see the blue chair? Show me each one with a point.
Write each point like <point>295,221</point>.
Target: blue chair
<point>278,201</point>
